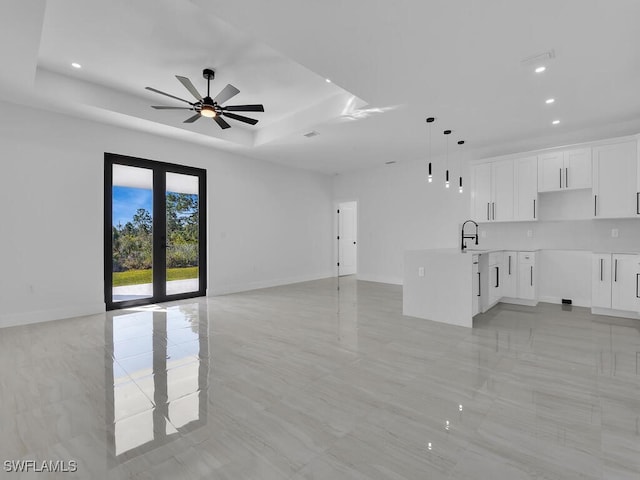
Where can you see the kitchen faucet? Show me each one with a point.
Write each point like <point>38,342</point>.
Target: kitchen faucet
<point>464,237</point>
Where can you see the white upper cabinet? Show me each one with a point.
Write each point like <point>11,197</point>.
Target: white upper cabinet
<point>492,194</point>
<point>481,193</point>
<point>503,191</point>
<point>526,188</point>
<point>565,170</point>
<point>615,180</point>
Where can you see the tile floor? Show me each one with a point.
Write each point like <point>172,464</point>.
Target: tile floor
<point>305,382</point>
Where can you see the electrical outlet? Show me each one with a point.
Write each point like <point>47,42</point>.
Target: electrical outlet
<point>421,271</point>
<point>614,232</point>
<point>529,233</point>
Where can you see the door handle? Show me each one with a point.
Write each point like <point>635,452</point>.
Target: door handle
<point>488,211</point>
<point>560,175</point>
<point>532,276</point>
<point>509,264</point>
<point>595,205</point>
<point>615,271</point>
<point>638,203</point>
<point>479,290</point>
<point>354,243</point>
<point>637,278</point>
<point>534,208</point>
<point>494,210</point>
<point>601,269</point>
<point>566,178</point>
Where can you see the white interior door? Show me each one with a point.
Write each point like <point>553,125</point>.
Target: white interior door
<point>347,237</point>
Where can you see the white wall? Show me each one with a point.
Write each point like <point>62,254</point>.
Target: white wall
<point>397,211</point>
<point>268,224</point>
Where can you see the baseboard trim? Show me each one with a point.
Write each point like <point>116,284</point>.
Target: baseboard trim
<point>577,302</point>
<point>519,301</point>
<point>38,316</point>
<point>614,313</point>
<point>379,279</point>
<point>245,287</point>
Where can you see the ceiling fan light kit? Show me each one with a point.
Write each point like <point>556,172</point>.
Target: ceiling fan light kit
<point>210,107</point>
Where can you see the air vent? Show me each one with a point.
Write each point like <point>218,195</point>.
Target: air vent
<point>539,58</point>
<point>311,134</point>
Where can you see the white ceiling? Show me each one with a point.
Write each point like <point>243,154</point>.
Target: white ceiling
<point>460,61</point>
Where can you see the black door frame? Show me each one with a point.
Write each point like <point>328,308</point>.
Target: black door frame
<point>159,169</point>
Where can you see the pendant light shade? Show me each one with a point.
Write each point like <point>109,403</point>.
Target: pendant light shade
<point>460,142</point>
<point>446,182</point>
<point>430,120</point>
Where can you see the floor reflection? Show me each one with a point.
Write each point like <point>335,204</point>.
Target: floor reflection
<point>159,368</point>
<point>347,313</point>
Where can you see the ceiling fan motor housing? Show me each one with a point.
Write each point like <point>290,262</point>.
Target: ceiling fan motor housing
<point>208,74</point>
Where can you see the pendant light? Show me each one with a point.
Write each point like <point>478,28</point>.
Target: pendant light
<point>446,181</point>
<point>430,120</point>
<point>460,142</point>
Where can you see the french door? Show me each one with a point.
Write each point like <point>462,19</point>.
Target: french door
<point>154,231</point>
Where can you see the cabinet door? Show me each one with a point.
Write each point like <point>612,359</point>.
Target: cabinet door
<point>510,275</point>
<point>601,280</point>
<point>550,174</point>
<point>625,294</point>
<point>481,194</point>
<point>503,191</point>
<point>527,275</point>
<point>495,283</point>
<point>615,172</point>
<point>475,291</point>
<point>526,173</point>
<point>577,168</point>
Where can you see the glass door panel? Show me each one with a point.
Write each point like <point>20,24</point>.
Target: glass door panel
<point>131,233</point>
<point>183,232</point>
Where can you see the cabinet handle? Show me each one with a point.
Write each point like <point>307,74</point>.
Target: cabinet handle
<point>566,178</point>
<point>560,176</point>
<point>497,277</point>
<point>509,264</point>
<point>534,208</point>
<point>494,210</point>
<point>488,211</point>
<point>595,205</point>
<point>602,269</point>
<point>638,203</point>
<point>532,275</point>
<point>637,277</point>
<point>615,271</point>
<point>479,289</point>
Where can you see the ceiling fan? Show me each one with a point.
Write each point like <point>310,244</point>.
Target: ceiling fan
<point>211,107</point>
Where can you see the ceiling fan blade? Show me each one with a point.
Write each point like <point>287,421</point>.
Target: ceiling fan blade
<point>240,118</point>
<point>226,94</point>
<point>164,107</point>
<point>220,121</point>
<point>189,86</point>
<point>168,95</point>
<point>244,108</point>
<point>192,119</point>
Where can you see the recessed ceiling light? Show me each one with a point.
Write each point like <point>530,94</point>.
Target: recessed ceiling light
<point>328,80</point>
<point>549,100</point>
<point>76,65</point>
<point>556,122</point>
<point>540,69</point>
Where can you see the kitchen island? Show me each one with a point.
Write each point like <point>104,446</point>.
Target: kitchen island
<point>451,286</point>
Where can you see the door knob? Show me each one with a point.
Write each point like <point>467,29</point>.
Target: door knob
<point>354,243</point>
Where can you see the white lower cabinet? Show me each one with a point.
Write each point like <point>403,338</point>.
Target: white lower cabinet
<point>510,274</point>
<point>476,289</point>
<point>615,282</point>
<point>506,276</point>
<point>495,278</point>
<point>527,283</point>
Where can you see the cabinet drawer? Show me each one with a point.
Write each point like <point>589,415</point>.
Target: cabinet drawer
<point>526,257</point>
